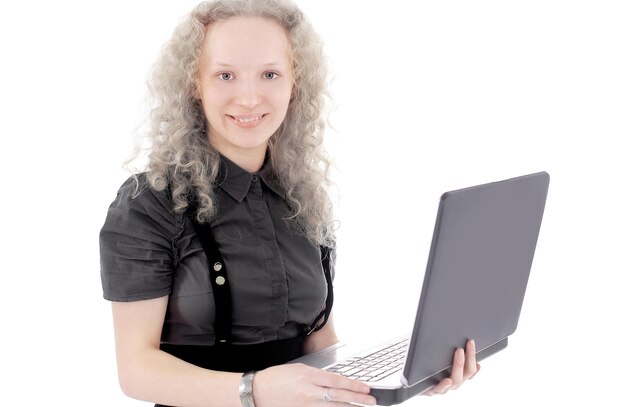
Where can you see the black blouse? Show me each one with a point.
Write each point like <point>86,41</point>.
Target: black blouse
<point>276,277</point>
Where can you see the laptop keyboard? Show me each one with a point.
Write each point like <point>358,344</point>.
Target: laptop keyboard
<point>375,366</point>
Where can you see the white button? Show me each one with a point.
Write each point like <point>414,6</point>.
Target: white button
<point>217,266</point>
<point>220,280</point>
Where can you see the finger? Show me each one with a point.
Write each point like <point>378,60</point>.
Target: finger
<point>347,396</point>
<point>477,370</point>
<point>441,388</point>
<point>470,368</point>
<point>337,381</point>
<point>458,365</point>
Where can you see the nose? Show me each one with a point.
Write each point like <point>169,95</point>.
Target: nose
<point>248,93</point>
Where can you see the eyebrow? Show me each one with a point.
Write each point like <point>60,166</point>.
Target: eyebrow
<point>230,66</point>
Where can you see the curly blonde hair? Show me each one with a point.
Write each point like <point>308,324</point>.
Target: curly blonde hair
<point>181,157</point>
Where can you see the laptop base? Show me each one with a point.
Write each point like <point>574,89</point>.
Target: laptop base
<point>388,397</point>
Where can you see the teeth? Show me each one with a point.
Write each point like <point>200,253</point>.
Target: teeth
<point>251,119</point>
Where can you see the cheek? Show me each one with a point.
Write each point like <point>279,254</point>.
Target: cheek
<point>212,101</point>
<point>281,96</point>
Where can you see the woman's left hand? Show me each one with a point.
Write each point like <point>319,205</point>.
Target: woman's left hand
<point>464,367</point>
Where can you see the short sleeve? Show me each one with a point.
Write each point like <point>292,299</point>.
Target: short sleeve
<point>136,244</point>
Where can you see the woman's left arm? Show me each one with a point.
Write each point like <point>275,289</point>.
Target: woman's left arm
<point>321,339</point>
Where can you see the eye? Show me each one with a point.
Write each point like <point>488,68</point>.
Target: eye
<point>226,76</point>
<point>270,75</point>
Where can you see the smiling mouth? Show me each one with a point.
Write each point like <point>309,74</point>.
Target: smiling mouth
<point>248,118</point>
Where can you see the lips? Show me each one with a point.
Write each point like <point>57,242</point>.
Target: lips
<point>248,121</point>
<point>247,118</point>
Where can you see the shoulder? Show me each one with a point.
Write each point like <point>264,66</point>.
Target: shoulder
<point>137,240</point>
<point>138,203</point>
<point>137,189</point>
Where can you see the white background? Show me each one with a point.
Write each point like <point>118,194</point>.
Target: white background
<point>428,97</point>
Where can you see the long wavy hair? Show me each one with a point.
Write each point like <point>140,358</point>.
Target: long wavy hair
<point>181,157</point>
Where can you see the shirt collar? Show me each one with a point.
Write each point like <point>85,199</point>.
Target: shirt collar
<point>270,178</point>
<point>236,181</point>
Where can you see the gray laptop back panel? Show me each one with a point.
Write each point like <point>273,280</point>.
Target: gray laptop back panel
<point>478,267</point>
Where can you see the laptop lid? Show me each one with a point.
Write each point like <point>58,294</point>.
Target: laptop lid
<point>478,267</point>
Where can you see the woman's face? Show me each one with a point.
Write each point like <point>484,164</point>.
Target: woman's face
<point>246,79</point>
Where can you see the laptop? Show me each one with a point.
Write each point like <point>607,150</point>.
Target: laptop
<point>478,266</point>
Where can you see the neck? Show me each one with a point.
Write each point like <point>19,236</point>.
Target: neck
<point>250,160</point>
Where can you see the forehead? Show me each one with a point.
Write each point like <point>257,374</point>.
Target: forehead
<point>246,40</point>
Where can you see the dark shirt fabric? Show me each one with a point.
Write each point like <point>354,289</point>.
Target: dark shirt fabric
<point>276,276</point>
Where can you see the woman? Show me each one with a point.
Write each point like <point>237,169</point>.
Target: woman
<point>218,259</point>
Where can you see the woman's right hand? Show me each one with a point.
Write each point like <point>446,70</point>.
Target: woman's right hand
<point>300,385</point>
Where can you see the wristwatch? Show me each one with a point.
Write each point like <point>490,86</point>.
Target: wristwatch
<point>245,389</point>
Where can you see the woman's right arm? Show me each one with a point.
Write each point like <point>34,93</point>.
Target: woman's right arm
<point>147,373</point>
